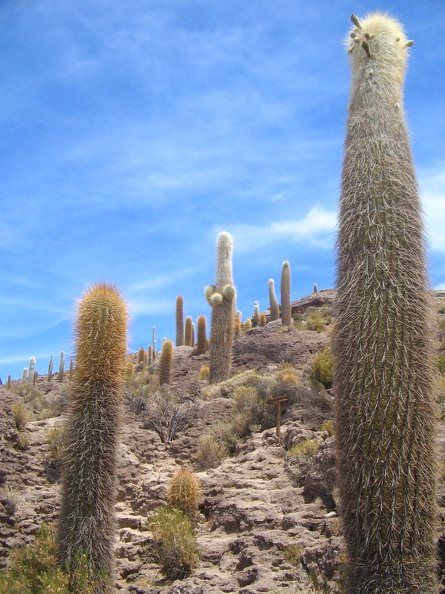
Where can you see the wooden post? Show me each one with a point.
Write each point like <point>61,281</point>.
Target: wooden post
<point>278,402</point>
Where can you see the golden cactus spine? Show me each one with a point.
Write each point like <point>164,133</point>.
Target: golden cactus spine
<point>220,296</point>
<point>179,321</point>
<point>86,524</point>
<point>286,310</point>
<point>166,362</point>
<point>385,415</point>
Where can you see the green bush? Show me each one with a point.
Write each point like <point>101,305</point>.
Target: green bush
<point>174,542</point>
<point>33,570</point>
<point>323,367</point>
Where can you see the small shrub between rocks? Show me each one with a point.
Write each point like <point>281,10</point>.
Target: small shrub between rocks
<point>174,543</point>
<point>323,367</point>
<point>21,415</point>
<point>33,570</point>
<point>166,414</point>
<point>210,452</point>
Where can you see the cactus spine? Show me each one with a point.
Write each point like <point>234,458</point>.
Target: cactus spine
<point>220,296</point>
<point>166,362</point>
<point>86,525</point>
<point>274,309</point>
<point>383,378</point>
<point>286,310</point>
<point>179,321</point>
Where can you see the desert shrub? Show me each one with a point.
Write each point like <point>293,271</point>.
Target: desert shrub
<point>225,389</point>
<point>33,570</point>
<point>252,410</point>
<point>210,452</point>
<point>299,459</point>
<point>293,554</point>
<point>440,364</point>
<point>167,414</point>
<point>323,367</point>
<point>21,415</point>
<point>22,441</point>
<point>204,372</point>
<point>139,388</point>
<point>55,436</point>
<point>225,433</point>
<point>174,543</point>
<point>184,492</point>
<point>328,426</point>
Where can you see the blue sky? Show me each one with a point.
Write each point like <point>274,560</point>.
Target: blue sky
<point>134,132</point>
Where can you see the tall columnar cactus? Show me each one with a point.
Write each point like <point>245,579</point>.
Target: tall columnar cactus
<point>166,362</point>
<point>179,321</point>
<point>383,376</point>
<point>61,373</point>
<point>256,314</point>
<point>201,346</point>
<point>274,309</point>
<point>86,525</point>
<point>286,312</point>
<point>220,296</point>
<point>188,331</point>
<point>50,368</point>
<point>31,370</point>
<point>153,342</point>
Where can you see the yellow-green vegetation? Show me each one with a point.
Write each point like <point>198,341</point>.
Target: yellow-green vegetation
<point>174,543</point>
<point>323,367</point>
<point>293,554</point>
<point>139,388</point>
<point>305,448</point>
<point>328,426</point>
<point>33,570</point>
<point>318,319</point>
<point>225,389</point>
<point>21,415</point>
<point>55,437</point>
<point>184,492</point>
<point>210,452</point>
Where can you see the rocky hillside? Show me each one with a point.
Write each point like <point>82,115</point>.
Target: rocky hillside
<point>268,518</point>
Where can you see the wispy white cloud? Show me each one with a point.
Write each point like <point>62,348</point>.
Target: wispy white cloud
<point>316,228</point>
<point>432,185</point>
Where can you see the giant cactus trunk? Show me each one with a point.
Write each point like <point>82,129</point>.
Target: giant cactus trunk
<point>220,296</point>
<point>86,526</point>
<point>383,379</point>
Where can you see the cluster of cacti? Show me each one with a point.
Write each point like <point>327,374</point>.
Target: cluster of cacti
<point>86,524</point>
<point>385,419</point>
<point>220,296</point>
<point>179,321</point>
<point>274,308</point>
<point>166,362</point>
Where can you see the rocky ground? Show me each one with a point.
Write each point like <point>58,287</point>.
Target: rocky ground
<point>266,524</point>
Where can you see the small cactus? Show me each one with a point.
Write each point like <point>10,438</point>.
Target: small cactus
<point>256,314</point>
<point>262,320</point>
<point>50,368</point>
<point>141,356</point>
<point>184,492</point>
<point>166,362</point>
<point>286,311</point>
